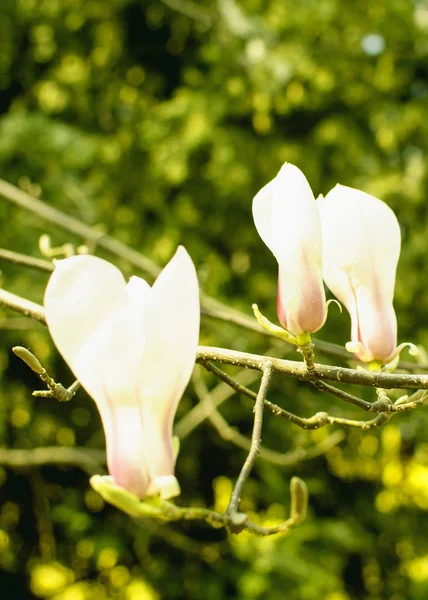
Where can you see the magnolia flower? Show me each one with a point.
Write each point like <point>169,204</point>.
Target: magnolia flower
<point>133,349</point>
<point>361,247</point>
<point>287,220</point>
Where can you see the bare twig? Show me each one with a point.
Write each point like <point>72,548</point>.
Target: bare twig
<point>25,307</point>
<point>209,306</point>
<point>312,423</point>
<point>361,377</point>
<point>235,498</point>
<point>350,398</point>
<point>376,379</point>
<point>156,508</point>
<point>320,419</point>
<point>233,436</point>
<point>76,227</point>
<point>219,394</point>
<point>55,390</point>
<point>26,261</point>
<point>89,460</point>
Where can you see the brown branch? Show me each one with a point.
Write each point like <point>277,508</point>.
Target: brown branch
<point>256,440</point>
<point>76,227</point>
<point>374,379</point>
<point>209,306</point>
<point>230,434</point>
<point>297,369</point>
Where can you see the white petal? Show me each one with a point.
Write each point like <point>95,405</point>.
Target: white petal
<point>172,337</point>
<point>287,219</point>
<point>361,247</point>
<point>284,210</point>
<point>93,323</point>
<point>139,290</point>
<point>126,457</point>
<point>98,331</point>
<point>295,221</point>
<point>354,224</point>
<point>262,213</point>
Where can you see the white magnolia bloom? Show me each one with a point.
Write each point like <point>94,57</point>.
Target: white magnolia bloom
<point>133,348</point>
<point>361,247</point>
<point>287,220</point>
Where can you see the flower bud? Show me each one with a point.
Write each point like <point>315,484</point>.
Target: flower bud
<point>361,247</point>
<point>133,348</point>
<point>287,220</point>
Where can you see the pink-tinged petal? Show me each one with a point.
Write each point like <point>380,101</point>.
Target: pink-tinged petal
<point>377,327</point>
<point>82,297</point>
<point>127,461</point>
<point>361,247</point>
<point>172,330</point>
<point>287,220</point>
<point>133,348</point>
<point>92,321</point>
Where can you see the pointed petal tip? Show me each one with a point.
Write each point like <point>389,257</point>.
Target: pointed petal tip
<point>182,257</point>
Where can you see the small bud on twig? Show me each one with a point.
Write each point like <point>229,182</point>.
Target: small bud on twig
<point>29,359</point>
<point>299,500</point>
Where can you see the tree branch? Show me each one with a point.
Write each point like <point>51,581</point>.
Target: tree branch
<point>235,498</point>
<point>376,379</point>
<point>230,434</point>
<point>209,306</point>
<point>76,227</point>
<point>89,460</point>
<point>23,306</point>
<point>219,394</point>
<point>27,261</point>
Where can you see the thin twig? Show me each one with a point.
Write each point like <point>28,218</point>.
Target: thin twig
<point>324,372</point>
<point>350,398</point>
<point>219,394</point>
<point>25,307</point>
<point>27,261</point>
<point>220,424</point>
<point>320,419</point>
<point>76,227</point>
<point>209,306</point>
<point>155,508</point>
<point>378,421</point>
<point>376,379</point>
<point>89,460</point>
<point>312,423</point>
<point>178,513</point>
<point>230,434</point>
<point>235,498</point>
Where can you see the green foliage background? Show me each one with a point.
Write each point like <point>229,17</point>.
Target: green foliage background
<point>157,122</point>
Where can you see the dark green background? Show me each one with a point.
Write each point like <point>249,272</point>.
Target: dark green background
<point>159,127</point>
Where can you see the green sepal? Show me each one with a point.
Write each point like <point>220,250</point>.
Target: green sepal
<point>122,499</point>
<point>269,327</point>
